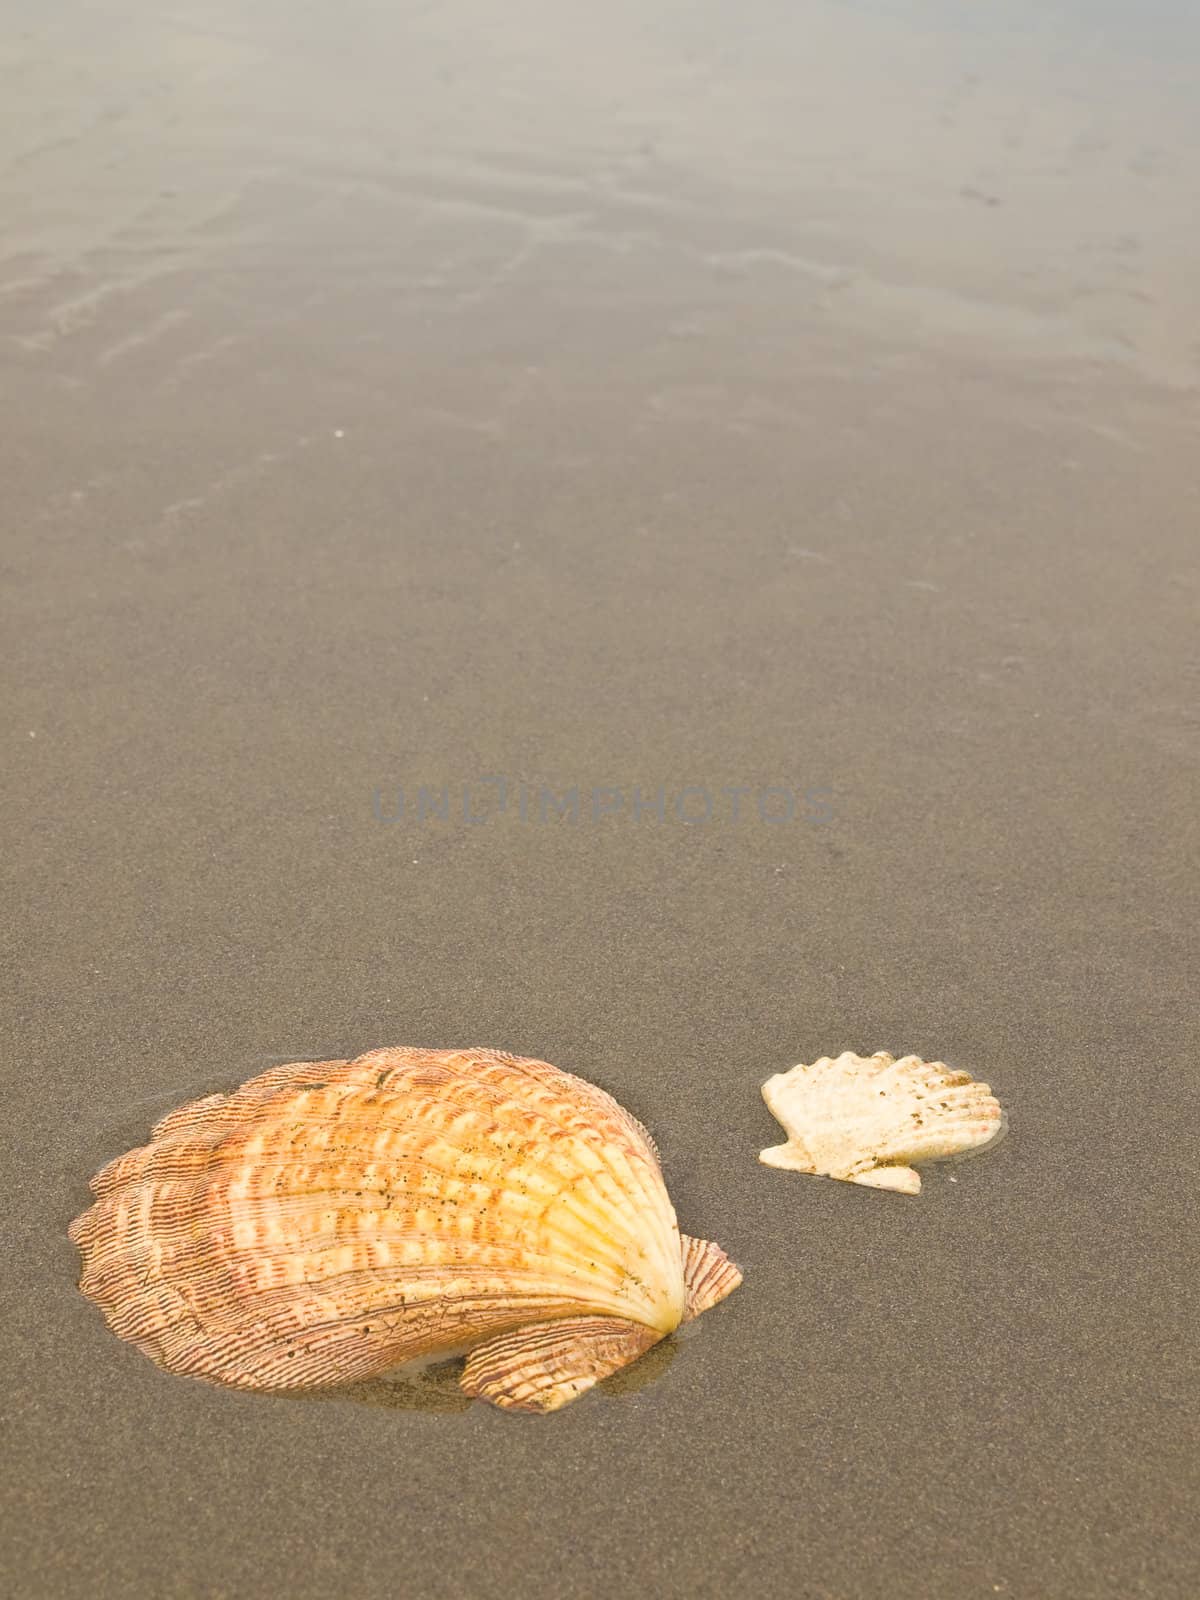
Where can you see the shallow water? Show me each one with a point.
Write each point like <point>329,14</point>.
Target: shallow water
<point>631,401</point>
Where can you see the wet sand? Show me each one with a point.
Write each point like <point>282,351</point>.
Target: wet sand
<point>809,404</point>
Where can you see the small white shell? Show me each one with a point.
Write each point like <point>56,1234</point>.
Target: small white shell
<point>866,1118</point>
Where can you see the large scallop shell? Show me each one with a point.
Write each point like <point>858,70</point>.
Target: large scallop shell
<point>866,1119</point>
<point>329,1220</point>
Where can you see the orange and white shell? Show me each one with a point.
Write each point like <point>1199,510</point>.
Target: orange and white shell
<point>330,1220</point>
<point>870,1119</point>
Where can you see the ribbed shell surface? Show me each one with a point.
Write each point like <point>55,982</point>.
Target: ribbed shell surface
<point>329,1220</point>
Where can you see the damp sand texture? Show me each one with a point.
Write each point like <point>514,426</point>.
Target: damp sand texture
<point>658,403</point>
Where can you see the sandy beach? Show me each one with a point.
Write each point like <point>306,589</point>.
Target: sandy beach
<point>667,544</point>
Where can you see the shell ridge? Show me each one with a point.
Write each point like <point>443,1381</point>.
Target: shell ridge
<point>599,1098</point>
<point>607,1207</point>
<point>463,1065</point>
<point>709,1275</point>
<point>546,1078</point>
<point>572,1224</point>
<point>545,1366</point>
<point>267,1357</point>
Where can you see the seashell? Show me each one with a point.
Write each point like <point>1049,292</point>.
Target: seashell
<point>866,1118</point>
<point>330,1220</point>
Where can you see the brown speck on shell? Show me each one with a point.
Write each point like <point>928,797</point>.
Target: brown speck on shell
<point>331,1220</point>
